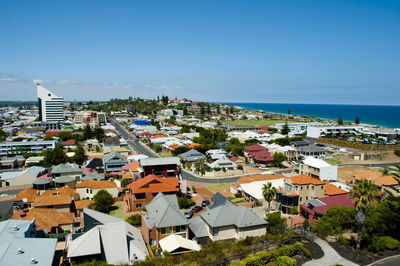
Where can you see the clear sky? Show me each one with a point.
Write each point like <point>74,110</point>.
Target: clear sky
<point>344,52</point>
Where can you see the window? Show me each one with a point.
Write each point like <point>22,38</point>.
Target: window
<point>301,188</point>
<point>322,187</point>
<point>312,188</point>
<point>180,229</point>
<point>214,231</point>
<point>301,199</point>
<point>307,187</point>
<point>296,188</point>
<point>138,205</point>
<point>307,198</point>
<point>166,230</point>
<point>87,190</point>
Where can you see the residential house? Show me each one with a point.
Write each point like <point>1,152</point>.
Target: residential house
<point>253,191</point>
<point>89,188</point>
<point>93,176</point>
<point>111,142</point>
<point>113,161</point>
<point>314,209</point>
<point>297,190</point>
<point>223,163</point>
<point>162,167</point>
<point>61,203</point>
<point>8,163</point>
<point>21,178</point>
<point>20,244</point>
<point>216,154</point>
<point>191,156</point>
<point>311,150</point>
<point>70,144</point>
<point>225,220</point>
<point>25,199</point>
<point>318,168</point>
<point>141,192</point>
<point>67,170</point>
<point>258,155</point>
<point>107,238</point>
<point>163,218</point>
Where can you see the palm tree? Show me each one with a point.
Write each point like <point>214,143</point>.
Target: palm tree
<point>384,171</point>
<point>364,193</point>
<point>269,193</point>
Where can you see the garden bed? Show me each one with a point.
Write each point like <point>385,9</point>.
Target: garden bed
<point>365,257</point>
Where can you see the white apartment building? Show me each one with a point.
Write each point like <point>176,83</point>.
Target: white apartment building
<point>317,132</point>
<point>51,107</point>
<point>318,168</point>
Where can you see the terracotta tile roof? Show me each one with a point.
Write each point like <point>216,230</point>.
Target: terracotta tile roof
<point>66,191</point>
<point>80,204</point>
<point>255,147</point>
<point>193,144</point>
<point>127,175</point>
<point>304,180</point>
<point>69,142</point>
<point>293,194</point>
<point>153,184</point>
<point>144,134</point>
<point>46,219</point>
<point>263,155</point>
<point>331,190</point>
<point>133,166</point>
<point>52,200</point>
<point>157,136</point>
<point>29,194</point>
<point>386,180</point>
<point>96,184</point>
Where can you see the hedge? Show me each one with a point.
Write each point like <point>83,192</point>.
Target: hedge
<point>263,258</point>
<point>285,261</point>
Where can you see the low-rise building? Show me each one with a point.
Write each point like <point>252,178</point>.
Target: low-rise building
<point>89,188</point>
<point>162,167</point>
<point>13,148</point>
<point>114,161</point>
<point>318,168</point>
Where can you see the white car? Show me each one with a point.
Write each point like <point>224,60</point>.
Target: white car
<point>263,168</point>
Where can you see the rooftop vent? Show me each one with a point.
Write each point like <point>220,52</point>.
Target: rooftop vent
<point>33,261</point>
<point>16,228</point>
<point>20,251</point>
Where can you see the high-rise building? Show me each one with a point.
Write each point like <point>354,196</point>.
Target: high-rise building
<point>51,109</point>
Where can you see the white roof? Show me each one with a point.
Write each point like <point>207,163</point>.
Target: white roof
<point>314,162</point>
<point>137,157</point>
<point>254,189</point>
<point>174,242</point>
<point>341,186</point>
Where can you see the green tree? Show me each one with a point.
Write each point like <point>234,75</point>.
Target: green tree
<point>357,121</point>
<point>54,157</point>
<point>364,193</point>
<point>79,156</point>
<point>294,211</point>
<point>279,158</point>
<point>269,193</point>
<point>185,203</point>
<point>285,129</point>
<point>135,220</point>
<point>289,111</point>
<point>48,138</point>
<point>3,135</point>
<point>179,150</point>
<point>87,132</point>
<point>102,201</point>
<point>276,223</point>
<point>65,136</point>
<point>218,109</point>
<point>340,120</point>
<point>98,133</point>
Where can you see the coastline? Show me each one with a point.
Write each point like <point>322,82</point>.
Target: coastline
<point>259,107</point>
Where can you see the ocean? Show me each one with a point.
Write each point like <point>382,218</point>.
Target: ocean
<point>382,115</point>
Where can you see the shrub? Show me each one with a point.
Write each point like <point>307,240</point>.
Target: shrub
<point>193,189</point>
<point>342,240</point>
<point>185,203</point>
<point>240,167</point>
<point>238,194</point>
<point>276,223</point>
<point>294,211</point>
<point>390,243</point>
<point>285,261</point>
<point>397,152</point>
<point>379,244</point>
<point>134,220</point>
<point>306,252</point>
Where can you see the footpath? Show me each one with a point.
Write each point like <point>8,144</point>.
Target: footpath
<point>331,257</point>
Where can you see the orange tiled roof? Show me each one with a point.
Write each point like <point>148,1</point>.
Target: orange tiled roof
<point>153,184</point>
<point>80,204</point>
<point>29,194</point>
<point>304,180</point>
<point>126,175</point>
<point>52,200</point>
<point>386,180</point>
<point>69,142</point>
<point>157,136</point>
<point>332,190</point>
<point>96,184</point>
<point>193,144</point>
<point>46,219</point>
<point>66,191</point>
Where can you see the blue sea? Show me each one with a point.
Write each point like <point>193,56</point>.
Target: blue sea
<point>382,115</point>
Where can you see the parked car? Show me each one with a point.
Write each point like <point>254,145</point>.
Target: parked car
<point>263,168</point>
<point>204,203</point>
<point>197,208</point>
<point>188,213</point>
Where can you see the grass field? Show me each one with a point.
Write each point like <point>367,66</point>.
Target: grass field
<point>224,187</point>
<point>255,122</point>
<point>119,212</point>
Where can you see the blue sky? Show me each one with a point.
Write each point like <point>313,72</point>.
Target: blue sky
<point>344,52</point>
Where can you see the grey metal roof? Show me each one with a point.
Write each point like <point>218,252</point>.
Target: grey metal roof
<point>42,249</point>
<point>120,242</point>
<point>93,176</point>
<point>230,214</point>
<point>311,148</point>
<point>64,179</point>
<point>41,181</point>
<point>217,200</point>
<point>163,211</point>
<point>66,168</point>
<point>159,161</point>
<point>191,155</point>
<point>114,157</point>
<point>198,227</point>
<point>316,202</point>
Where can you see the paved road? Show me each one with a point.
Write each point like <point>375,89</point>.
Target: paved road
<point>331,257</point>
<point>382,165</point>
<point>391,261</point>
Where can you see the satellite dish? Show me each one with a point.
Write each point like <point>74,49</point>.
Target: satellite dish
<point>25,200</point>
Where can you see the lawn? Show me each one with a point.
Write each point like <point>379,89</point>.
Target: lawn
<point>255,122</point>
<point>223,187</point>
<point>119,212</point>
<point>333,161</point>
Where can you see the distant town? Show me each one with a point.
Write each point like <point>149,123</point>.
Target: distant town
<point>170,181</point>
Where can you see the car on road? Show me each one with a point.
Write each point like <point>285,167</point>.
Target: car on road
<point>188,213</point>
<point>197,208</point>
<point>204,203</point>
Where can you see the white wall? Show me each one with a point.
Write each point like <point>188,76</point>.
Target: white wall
<point>328,173</point>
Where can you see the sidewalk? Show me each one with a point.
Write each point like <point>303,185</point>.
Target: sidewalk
<point>331,257</point>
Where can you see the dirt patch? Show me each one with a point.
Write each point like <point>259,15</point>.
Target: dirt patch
<point>365,257</point>
<point>314,249</point>
<point>345,174</point>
